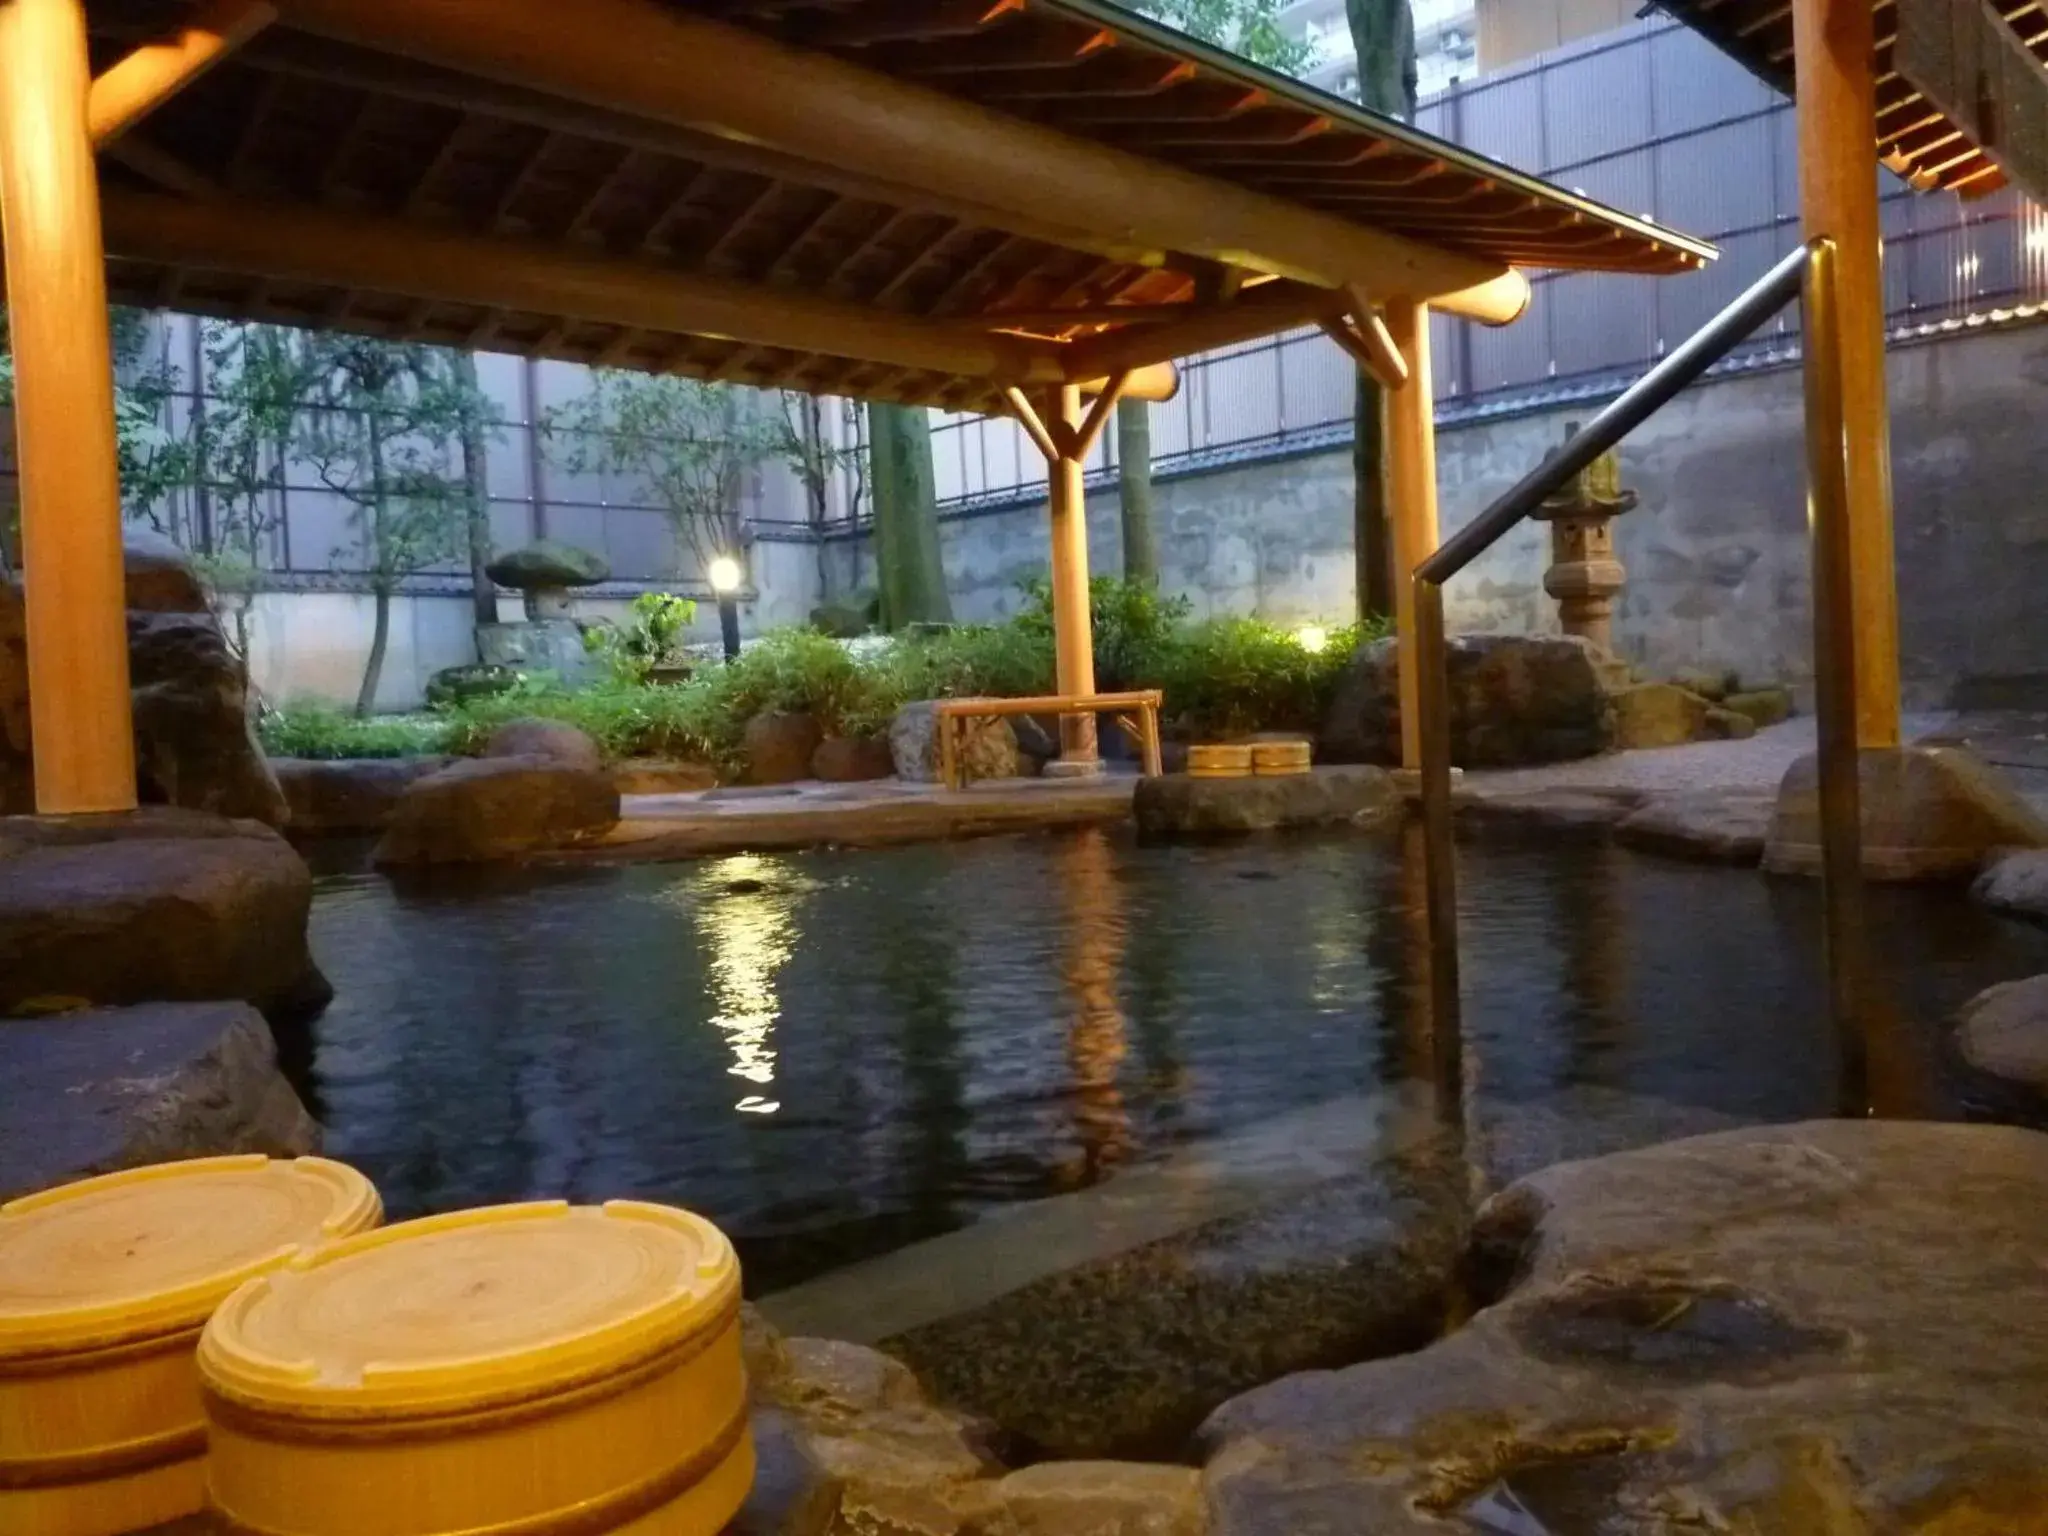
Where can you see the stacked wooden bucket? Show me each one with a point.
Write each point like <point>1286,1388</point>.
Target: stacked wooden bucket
<point>238,1333</point>
<point>1242,759</point>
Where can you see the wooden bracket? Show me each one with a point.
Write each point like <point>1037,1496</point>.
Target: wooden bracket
<point>155,72</point>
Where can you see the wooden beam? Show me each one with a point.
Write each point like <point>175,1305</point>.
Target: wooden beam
<point>1364,335</point>
<point>155,72</point>
<point>161,166</point>
<point>297,243</point>
<point>672,66</point>
<point>1098,413</point>
<point>905,21</point>
<point>1027,417</point>
<point>1139,345</point>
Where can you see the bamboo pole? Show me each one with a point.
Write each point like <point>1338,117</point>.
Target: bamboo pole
<point>1834,47</point>
<point>79,709</point>
<point>1411,458</point>
<point>668,64</point>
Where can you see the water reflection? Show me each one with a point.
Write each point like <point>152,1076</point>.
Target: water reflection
<point>745,911</point>
<point>837,1053</point>
<point>1086,872</point>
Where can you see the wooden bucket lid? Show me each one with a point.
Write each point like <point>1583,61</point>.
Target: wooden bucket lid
<point>152,1251</point>
<point>470,1309</point>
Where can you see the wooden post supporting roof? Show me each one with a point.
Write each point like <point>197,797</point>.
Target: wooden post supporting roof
<point>1411,458</point>
<point>667,64</point>
<point>74,585</point>
<point>1836,106</point>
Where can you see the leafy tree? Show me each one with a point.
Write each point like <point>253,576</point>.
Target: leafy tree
<point>1251,30</point>
<point>1248,28</point>
<point>907,564</point>
<point>258,376</point>
<point>693,444</point>
<point>1134,491</point>
<point>377,430</point>
<point>1383,31</point>
<point>476,432</point>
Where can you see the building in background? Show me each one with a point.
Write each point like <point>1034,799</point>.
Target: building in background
<point>1510,31</point>
<point>1446,47</point>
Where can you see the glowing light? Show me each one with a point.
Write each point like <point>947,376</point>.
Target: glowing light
<point>725,574</point>
<point>1967,267</point>
<point>2037,237</point>
<point>1312,638</point>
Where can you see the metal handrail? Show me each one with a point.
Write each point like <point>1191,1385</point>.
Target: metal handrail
<point>1807,274</point>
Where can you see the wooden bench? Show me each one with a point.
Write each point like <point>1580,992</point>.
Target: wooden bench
<point>1135,714</point>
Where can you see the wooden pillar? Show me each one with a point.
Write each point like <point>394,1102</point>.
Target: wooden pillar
<point>1411,460</point>
<point>1834,49</point>
<point>1073,633</point>
<point>64,414</point>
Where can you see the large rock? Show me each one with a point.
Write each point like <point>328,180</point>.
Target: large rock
<point>553,741</point>
<point>662,776</point>
<point>2016,883</point>
<point>159,905</point>
<point>2003,1031</point>
<point>852,759</point>
<point>1717,826</point>
<point>990,751</point>
<point>493,808</point>
<point>159,576</point>
<point>779,745</point>
<point>1928,813</point>
<point>1763,706</point>
<point>1515,700</point>
<point>1124,1355</point>
<point>1711,683</point>
<point>347,795</point>
<point>194,745</point>
<point>547,563</point>
<point>1829,1329</point>
<point>110,1088</point>
<point>1664,715</point>
<point>1091,1498</point>
<point>1175,805</point>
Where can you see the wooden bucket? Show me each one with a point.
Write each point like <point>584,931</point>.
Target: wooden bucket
<point>1220,760</point>
<point>527,1368</point>
<point>1272,758</point>
<point>104,1287</point>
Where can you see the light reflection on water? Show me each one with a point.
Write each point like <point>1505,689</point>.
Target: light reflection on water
<point>836,1053</point>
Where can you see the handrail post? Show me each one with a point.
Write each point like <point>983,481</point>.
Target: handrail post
<point>1446,1033</point>
<point>1834,671</point>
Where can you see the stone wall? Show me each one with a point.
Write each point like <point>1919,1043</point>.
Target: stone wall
<point>1716,552</point>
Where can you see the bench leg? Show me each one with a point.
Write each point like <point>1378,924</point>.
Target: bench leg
<point>1154,764</point>
<point>949,763</point>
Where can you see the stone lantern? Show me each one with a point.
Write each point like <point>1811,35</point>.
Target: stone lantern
<point>1584,576</point>
<point>549,639</point>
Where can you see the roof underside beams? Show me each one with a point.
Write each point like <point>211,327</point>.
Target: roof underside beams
<point>646,184</point>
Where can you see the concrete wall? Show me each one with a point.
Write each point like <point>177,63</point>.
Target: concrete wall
<point>1716,552</point>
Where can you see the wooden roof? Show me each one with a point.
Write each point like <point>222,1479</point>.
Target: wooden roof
<point>324,174</point>
<point>1914,138</point>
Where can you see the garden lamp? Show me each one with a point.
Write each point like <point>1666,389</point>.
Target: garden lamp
<point>725,582</point>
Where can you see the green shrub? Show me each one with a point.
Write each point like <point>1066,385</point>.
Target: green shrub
<point>1131,624</point>
<point>315,730</point>
<point>1233,676</point>
<point>655,634</point>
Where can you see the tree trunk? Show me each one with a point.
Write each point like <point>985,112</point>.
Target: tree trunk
<point>477,496</point>
<point>1372,532</point>
<point>1134,491</point>
<point>382,580</point>
<point>1383,32</point>
<point>380,638</point>
<point>907,564</point>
